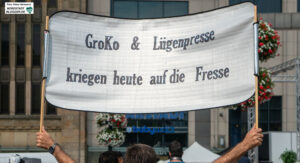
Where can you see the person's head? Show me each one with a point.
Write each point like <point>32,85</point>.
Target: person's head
<point>175,149</point>
<point>110,157</point>
<point>120,156</point>
<point>140,153</point>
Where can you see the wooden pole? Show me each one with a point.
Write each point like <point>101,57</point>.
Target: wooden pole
<point>255,14</point>
<point>43,87</point>
<point>256,76</point>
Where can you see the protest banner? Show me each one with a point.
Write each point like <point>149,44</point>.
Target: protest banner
<point>104,64</point>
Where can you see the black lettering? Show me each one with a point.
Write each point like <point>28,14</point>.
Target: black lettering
<point>209,75</point>
<point>94,43</point>
<point>202,37</point>
<point>103,79</point>
<point>107,42</point>
<point>91,78</point>
<point>197,39</point>
<point>116,78</point>
<point>204,74</point>
<point>220,73</point>
<point>97,77</point>
<point>75,77</point>
<point>122,80</point>
<point>79,81</point>
<point>226,72</point>
<point>140,80</point>
<point>175,42</point>
<point>100,45</point>
<point>212,35</point>
<point>84,77</point>
<point>186,43</point>
<point>181,77</point>
<point>154,47</point>
<point>180,43</point>
<point>69,75</point>
<point>198,72</point>
<point>88,44</point>
<point>215,76</point>
<point>116,45</point>
<point>193,37</point>
<point>207,36</point>
<point>169,43</point>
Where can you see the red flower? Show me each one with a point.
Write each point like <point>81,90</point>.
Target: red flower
<point>261,87</point>
<point>270,51</point>
<point>268,86</point>
<point>259,37</point>
<point>267,37</point>
<point>259,51</point>
<point>270,25</point>
<point>261,44</point>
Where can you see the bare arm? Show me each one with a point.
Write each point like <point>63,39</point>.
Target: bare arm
<point>44,140</point>
<point>253,138</point>
<point>61,156</point>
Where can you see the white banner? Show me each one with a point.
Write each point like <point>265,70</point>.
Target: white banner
<point>172,64</point>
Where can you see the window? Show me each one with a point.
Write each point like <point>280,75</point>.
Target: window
<point>157,130</point>
<point>263,6</point>
<point>4,44</point>
<point>270,114</point>
<point>20,44</point>
<point>20,98</point>
<point>148,9</point>
<point>52,3</point>
<point>35,98</point>
<point>50,109</point>
<point>37,2</point>
<point>36,45</point>
<point>4,98</point>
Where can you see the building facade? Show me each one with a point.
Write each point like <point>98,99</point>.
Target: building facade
<point>20,77</point>
<point>20,82</point>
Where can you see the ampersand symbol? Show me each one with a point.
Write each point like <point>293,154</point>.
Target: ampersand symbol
<point>135,44</point>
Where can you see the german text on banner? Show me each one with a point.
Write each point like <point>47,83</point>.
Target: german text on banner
<point>192,62</point>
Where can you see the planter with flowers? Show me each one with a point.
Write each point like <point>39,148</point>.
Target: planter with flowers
<point>269,41</point>
<point>111,129</point>
<point>265,87</point>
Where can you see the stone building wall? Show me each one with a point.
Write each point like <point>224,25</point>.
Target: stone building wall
<point>18,131</point>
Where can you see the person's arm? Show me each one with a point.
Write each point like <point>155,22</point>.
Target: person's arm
<point>44,140</point>
<point>253,138</point>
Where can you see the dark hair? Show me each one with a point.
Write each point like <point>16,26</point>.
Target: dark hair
<point>140,153</point>
<point>175,149</point>
<point>110,157</point>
